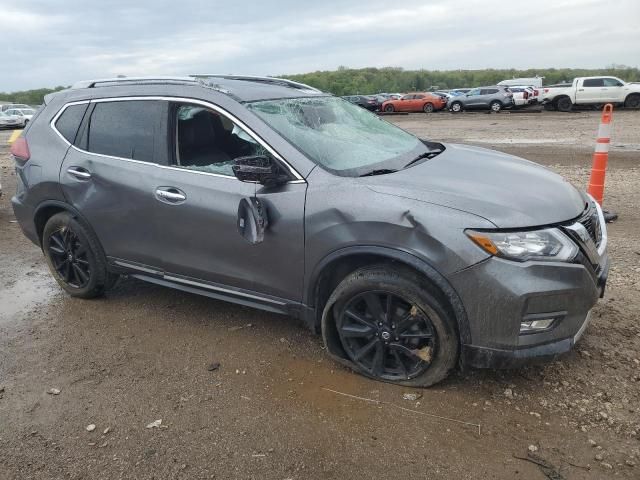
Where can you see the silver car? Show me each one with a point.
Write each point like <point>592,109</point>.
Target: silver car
<point>493,98</point>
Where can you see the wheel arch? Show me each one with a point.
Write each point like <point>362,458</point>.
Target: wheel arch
<point>334,267</point>
<point>45,210</point>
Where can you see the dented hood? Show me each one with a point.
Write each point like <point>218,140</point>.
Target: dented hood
<point>508,191</point>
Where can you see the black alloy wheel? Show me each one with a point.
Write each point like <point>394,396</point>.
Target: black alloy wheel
<point>69,257</point>
<point>387,336</point>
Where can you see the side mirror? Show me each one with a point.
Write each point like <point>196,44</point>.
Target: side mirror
<point>259,169</point>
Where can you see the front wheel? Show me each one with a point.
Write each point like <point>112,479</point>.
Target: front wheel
<point>75,257</point>
<point>632,101</point>
<point>427,108</point>
<point>456,107</point>
<point>388,108</point>
<point>495,106</point>
<point>393,327</point>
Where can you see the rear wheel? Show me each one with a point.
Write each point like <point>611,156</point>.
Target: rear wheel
<point>495,106</point>
<point>75,257</point>
<point>564,104</point>
<point>456,107</point>
<point>388,108</point>
<point>393,328</point>
<point>632,101</point>
<point>427,108</point>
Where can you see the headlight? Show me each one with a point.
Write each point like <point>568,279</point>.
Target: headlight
<point>548,244</point>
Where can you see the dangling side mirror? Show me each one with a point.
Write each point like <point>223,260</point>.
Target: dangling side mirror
<point>252,220</point>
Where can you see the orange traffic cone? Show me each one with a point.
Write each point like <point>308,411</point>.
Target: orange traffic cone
<point>600,158</point>
<point>601,155</point>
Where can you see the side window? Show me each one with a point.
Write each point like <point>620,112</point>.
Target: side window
<point>68,123</point>
<point>207,141</point>
<point>475,91</point>
<point>612,82</point>
<point>418,97</point>
<point>125,129</point>
<point>593,82</point>
<point>407,97</point>
<point>488,91</point>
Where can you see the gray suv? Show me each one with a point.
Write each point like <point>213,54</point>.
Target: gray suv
<point>410,257</point>
<point>493,98</point>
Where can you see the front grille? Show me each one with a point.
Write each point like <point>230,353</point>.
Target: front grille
<point>591,221</point>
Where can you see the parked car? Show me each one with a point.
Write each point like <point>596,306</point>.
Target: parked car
<point>364,101</point>
<point>522,96</point>
<point>9,121</point>
<point>24,115</point>
<point>415,102</point>
<point>271,194</point>
<point>592,91</point>
<point>8,106</point>
<point>530,81</point>
<point>494,98</point>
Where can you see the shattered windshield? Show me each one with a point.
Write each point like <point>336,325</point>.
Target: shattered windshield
<point>340,136</point>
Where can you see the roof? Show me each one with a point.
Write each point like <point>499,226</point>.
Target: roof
<point>243,88</point>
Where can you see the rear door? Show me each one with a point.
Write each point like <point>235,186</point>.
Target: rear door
<point>590,91</point>
<point>110,172</point>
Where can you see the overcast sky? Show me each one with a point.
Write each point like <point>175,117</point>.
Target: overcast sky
<point>46,43</point>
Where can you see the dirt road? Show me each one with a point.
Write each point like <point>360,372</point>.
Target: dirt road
<point>270,411</point>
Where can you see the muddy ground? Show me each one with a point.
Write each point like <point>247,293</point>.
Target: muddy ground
<point>143,352</point>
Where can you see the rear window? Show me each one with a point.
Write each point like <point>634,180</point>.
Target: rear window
<point>125,129</point>
<point>71,118</point>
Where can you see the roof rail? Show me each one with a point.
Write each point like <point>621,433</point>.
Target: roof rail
<point>254,78</point>
<point>120,80</point>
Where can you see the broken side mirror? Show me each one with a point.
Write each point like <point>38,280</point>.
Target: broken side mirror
<point>252,220</point>
<point>259,169</point>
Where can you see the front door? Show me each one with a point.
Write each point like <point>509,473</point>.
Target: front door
<point>198,220</point>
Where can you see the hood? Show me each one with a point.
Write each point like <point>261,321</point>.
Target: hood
<point>508,191</point>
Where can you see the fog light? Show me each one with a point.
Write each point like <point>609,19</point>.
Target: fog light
<point>531,326</point>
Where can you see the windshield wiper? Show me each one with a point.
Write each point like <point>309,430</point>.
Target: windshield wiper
<point>379,171</point>
<point>429,154</point>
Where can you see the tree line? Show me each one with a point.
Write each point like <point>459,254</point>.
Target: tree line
<point>28,97</point>
<point>347,81</point>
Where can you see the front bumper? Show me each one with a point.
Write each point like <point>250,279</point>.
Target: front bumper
<point>499,294</point>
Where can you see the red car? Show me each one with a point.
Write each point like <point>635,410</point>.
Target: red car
<point>415,102</point>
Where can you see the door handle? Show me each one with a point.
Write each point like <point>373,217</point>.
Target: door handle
<point>170,195</point>
<point>79,172</point>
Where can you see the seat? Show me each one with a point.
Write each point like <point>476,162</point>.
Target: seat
<point>198,142</point>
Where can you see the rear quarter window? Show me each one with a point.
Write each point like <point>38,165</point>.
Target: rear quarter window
<point>69,121</point>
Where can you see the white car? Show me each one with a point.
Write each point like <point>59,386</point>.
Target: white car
<point>24,114</point>
<point>522,95</point>
<point>9,106</point>
<point>9,121</point>
<point>592,91</point>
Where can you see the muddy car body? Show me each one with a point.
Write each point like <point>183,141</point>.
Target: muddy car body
<point>409,256</point>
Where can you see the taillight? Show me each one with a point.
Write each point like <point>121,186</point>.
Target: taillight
<point>526,95</point>
<point>546,90</point>
<point>535,93</point>
<point>20,149</point>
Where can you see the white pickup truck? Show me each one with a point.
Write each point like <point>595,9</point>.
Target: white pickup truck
<point>592,91</point>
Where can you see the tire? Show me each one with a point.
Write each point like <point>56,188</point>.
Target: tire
<point>456,107</point>
<point>495,106</point>
<point>75,258</point>
<point>563,104</point>
<point>632,101</point>
<point>389,108</point>
<point>427,108</point>
<point>415,341</point>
